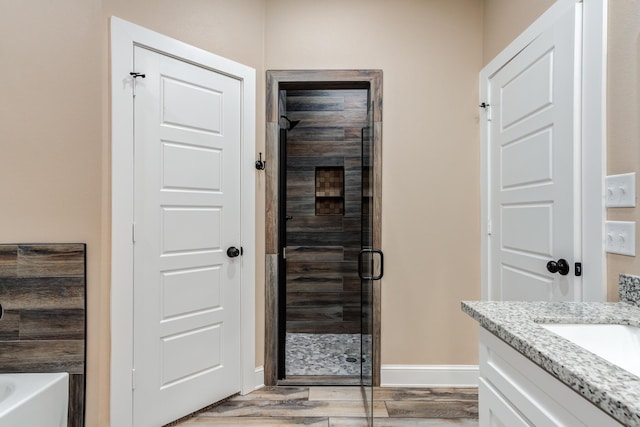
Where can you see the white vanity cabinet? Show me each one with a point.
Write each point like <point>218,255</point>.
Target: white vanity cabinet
<point>514,392</point>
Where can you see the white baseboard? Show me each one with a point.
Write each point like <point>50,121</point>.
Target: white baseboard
<point>258,378</point>
<point>429,376</point>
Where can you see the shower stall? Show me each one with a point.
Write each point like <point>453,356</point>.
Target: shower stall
<point>323,228</point>
<point>324,202</point>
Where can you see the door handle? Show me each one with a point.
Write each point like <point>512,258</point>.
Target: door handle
<point>372,276</point>
<point>233,252</point>
<point>561,266</point>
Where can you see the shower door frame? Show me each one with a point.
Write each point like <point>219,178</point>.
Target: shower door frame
<point>317,79</point>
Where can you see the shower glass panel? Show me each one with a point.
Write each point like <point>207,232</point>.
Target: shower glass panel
<point>326,246</point>
<point>366,265</point>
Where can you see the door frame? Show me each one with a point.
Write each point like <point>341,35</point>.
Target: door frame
<point>124,36</point>
<point>306,78</point>
<point>593,139</point>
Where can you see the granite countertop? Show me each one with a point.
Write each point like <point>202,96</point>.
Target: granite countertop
<point>607,386</point>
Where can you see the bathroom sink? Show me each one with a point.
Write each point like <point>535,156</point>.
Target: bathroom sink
<point>618,344</point>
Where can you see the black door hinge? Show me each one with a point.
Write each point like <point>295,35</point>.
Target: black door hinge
<point>578,269</point>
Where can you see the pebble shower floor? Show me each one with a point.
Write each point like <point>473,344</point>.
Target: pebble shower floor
<point>323,354</point>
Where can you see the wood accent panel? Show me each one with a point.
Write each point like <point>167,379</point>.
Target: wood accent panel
<point>327,223</point>
<point>52,324</point>
<point>315,253</point>
<point>316,284</point>
<point>42,356</point>
<point>8,261</point>
<point>50,261</point>
<point>76,400</point>
<point>41,293</point>
<point>271,321</point>
<point>271,188</point>
<point>279,81</point>
<point>42,288</point>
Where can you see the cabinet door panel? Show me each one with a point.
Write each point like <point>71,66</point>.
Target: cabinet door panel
<point>540,398</point>
<point>495,411</point>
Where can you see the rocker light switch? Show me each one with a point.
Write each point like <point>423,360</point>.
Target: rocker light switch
<point>620,237</point>
<point>621,191</point>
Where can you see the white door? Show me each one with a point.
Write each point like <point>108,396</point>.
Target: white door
<point>187,213</point>
<point>534,160</point>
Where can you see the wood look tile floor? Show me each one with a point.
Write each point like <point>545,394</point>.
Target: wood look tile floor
<point>344,407</point>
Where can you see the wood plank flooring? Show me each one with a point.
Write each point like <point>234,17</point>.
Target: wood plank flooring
<point>343,407</point>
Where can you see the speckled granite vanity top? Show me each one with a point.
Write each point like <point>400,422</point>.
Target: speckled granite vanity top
<point>607,386</point>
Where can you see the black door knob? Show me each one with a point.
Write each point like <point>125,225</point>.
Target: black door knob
<point>561,266</point>
<point>233,252</point>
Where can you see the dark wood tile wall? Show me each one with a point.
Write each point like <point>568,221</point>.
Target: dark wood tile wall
<point>323,289</point>
<point>42,290</point>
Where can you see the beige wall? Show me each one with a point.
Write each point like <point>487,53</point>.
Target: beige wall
<point>54,127</point>
<point>51,115</point>
<point>623,119</point>
<point>430,53</point>
<point>504,20</point>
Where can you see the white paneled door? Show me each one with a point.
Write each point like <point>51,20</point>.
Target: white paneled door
<point>187,216</point>
<point>534,167</point>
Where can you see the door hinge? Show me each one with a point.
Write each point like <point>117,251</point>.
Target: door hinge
<point>133,379</point>
<point>578,269</point>
<point>489,228</point>
<point>487,108</point>
<point>133,232</point>
<point>284,253</point>
<point>135,76</point>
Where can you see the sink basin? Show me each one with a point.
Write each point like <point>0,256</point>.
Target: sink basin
<point>618,344</point>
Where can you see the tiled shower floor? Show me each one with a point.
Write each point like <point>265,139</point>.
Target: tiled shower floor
<point>322,354</point>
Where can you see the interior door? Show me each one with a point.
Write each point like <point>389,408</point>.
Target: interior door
<point>534,159</point>
<point>187,222</point>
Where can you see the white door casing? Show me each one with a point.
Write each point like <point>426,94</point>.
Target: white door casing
<point>534,176</point>
<point>588,156</point>
<point>125,37</point>
<point>186,214</point>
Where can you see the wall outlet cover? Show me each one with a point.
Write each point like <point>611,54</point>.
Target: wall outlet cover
<point>620,237</point>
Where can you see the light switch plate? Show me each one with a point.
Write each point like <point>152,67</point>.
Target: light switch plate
<point>620,191</point>
<point>620,237</point>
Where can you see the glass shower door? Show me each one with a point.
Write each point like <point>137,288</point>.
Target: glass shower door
<point>368,269</point>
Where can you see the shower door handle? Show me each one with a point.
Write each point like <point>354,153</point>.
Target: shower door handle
<point>371,276</point>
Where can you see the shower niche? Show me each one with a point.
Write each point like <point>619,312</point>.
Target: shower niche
<point>329,191</point>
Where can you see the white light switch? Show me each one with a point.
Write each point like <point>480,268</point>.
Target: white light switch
<point>620,237</point>
<point>621,191</point>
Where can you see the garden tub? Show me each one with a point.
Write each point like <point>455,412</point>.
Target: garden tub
<point>32,400</point>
